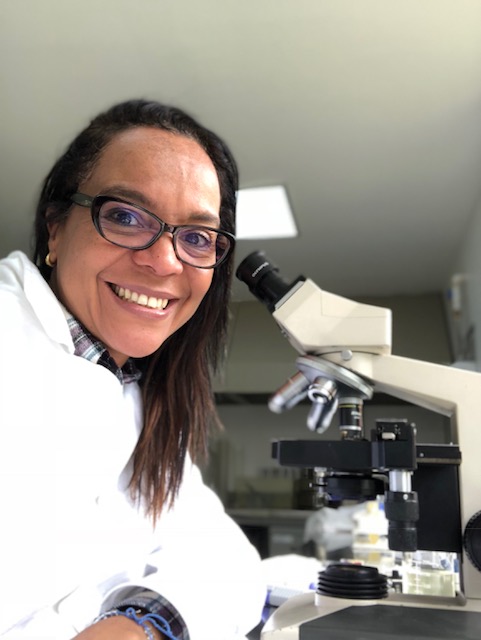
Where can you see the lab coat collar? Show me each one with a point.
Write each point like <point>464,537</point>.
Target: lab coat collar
<point>45,305</point>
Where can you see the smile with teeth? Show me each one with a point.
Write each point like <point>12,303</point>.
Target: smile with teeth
<point>140,298</point>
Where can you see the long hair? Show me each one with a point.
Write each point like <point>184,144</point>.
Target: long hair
<point>178,402</point>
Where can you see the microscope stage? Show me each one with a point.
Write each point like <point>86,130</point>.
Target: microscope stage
<point>394,623</point>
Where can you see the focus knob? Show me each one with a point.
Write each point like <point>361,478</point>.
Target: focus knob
<point>472,540</point>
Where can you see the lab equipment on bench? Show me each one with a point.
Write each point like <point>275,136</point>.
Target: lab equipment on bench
<point>431,492</point>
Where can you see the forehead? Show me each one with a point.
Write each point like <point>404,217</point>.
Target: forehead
<point>155,140</point>
<point>149,154</point>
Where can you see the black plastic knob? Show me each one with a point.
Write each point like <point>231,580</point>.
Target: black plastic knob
<point>352,581</point>
<point>472,540</point>
<point>402,511</point>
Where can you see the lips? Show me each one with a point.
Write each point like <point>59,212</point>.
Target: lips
<point>139,298</point>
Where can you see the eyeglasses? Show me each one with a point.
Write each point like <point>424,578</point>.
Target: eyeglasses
<point>132,227</point>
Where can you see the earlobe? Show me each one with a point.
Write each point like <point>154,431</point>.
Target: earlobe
<point>52,228</point>
<point>52,236</point>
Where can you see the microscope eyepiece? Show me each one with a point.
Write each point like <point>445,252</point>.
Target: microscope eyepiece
<point>261,276</point>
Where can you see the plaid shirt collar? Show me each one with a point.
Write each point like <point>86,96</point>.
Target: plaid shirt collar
<point>88,347</point>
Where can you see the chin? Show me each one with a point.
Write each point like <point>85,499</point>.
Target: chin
<point>139,348</point>
<point>143,352</point>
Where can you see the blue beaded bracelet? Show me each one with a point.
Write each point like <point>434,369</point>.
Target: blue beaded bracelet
<point>156,620</point>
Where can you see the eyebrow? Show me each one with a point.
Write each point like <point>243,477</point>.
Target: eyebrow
<point>137,197</point>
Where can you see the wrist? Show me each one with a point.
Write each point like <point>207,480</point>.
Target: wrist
<point>139,613</point>
<point>114,627</point>
<point>148,625</point>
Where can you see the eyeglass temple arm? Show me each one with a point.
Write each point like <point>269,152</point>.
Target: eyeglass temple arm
<point>82,200</point>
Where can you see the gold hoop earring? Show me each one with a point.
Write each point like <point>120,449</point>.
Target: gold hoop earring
<point>48,261</point>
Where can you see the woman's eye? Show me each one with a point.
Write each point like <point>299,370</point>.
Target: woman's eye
<point>123,217</point>
<point>126,218</point>
<point>198,239</point>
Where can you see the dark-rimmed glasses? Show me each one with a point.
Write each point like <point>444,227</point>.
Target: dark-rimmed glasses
<point>130,226</point>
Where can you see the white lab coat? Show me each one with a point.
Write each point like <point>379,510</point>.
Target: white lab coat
<point>71,541</point>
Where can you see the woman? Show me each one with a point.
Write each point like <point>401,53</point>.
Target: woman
<point>108,345</point>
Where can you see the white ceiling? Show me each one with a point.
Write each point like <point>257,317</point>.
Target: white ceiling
<point>368,111</point>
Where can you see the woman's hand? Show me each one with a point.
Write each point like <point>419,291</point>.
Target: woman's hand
<point>116,628</point>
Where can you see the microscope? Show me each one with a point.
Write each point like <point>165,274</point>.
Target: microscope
<point>431,492</point>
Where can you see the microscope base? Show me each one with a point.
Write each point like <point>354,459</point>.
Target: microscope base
<point>311,617</point>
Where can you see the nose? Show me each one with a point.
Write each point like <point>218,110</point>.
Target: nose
<point>160,257</point>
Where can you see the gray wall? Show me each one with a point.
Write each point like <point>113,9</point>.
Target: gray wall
<point>466,321</point>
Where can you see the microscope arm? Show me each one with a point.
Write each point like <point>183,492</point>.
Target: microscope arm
<point>358,337</point>
<point>442,389</point>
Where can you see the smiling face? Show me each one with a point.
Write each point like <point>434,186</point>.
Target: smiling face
<point>132,301</point>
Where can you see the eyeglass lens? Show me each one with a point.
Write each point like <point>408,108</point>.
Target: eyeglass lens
<point>133,228</point>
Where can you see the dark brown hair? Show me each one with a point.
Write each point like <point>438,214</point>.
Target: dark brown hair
<point>179,407</point>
